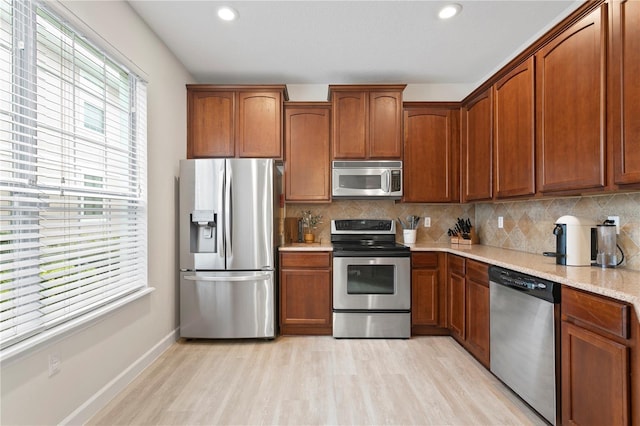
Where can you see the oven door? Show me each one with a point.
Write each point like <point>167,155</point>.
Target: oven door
<point>372,283</point>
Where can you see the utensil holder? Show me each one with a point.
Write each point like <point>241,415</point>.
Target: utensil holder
<point>409,236</point>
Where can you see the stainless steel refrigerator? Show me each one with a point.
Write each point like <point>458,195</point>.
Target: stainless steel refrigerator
<point>227,248</point>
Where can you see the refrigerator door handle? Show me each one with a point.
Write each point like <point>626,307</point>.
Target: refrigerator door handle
<point>222,249</point>
<point>263,277</point>
<point>229,211</point>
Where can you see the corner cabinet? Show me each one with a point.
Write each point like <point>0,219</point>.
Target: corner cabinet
<point>571,107</point>
<point>514,130</point>
<point>431,153</point>
<point>367,121</point>
<point>305,293</point>
<point>428,296</point>
<point>600,357</point>
<point>624,90</point>
<point>477,148</point>
<point>307,158</point>
<point>234,121</point>
<point>468,305</point>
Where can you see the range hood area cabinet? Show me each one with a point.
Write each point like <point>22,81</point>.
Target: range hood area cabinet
<point>367,121</point>
<point>234,121</point>
<point>431,152</point>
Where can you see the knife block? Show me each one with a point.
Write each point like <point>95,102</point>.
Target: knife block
<point>473,239</point>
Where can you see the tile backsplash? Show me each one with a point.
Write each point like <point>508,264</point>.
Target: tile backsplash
<point>528,225</point>
<point>443,216</point>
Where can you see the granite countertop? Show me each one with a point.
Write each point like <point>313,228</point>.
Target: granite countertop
<point>617,283</point>
<point>306,247</point>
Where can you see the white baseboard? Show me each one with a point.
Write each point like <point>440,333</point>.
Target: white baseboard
<point>101,398</point>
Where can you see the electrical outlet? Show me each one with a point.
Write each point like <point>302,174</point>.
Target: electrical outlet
<point>427,222</point>
<point>54,364</point>
<point>616,221</point>
<point>500,222</point>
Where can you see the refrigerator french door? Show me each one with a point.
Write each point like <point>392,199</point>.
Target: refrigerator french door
<point>227,246</point>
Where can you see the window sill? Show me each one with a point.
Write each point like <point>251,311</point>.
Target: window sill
<point>73,325</point>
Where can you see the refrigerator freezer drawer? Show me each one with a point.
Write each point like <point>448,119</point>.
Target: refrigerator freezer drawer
<point>227,305</point>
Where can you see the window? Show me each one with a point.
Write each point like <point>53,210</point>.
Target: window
<point>72,175</point>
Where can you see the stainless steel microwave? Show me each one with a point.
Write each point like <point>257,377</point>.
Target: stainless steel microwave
<point>367,179</point>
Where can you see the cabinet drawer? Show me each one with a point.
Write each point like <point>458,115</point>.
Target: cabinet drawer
<point>305,260</point>
<point>599,312</point>
<point>478,271</point>
<point>456,264</point>
<point>424,260</point>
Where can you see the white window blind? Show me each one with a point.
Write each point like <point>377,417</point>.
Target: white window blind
<point>73,232</point>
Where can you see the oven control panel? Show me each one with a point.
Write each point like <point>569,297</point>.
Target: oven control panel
<point>352,226</point>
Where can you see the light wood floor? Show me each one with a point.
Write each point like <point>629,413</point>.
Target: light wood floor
<point>317,381</point>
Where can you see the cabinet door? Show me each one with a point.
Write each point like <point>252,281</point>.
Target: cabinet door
<point>514,142</point>
<point>385,125</point>
<point>624,102</point>
<point>571,108</point>
<point>595,379</point>
<point>456,304</point>
<point>477,141</point>
<point>350,110</point>
<point>259,124</point>
<point>477,319</point>
<point>431,155</point>
<point>305,299</point>
<point>211,124</point>
<point>307,158</point>
<point>424,297</point>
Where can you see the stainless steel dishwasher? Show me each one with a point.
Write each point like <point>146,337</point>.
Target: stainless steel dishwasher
<point>524,339</point>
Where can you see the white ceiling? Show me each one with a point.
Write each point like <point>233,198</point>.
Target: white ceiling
<point>348,42</point>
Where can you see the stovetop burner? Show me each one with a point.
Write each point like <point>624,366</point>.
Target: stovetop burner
<point>366,238</point>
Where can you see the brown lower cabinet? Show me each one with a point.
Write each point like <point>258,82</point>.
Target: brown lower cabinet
<point>305,293</point>
<point>600,360</point>
<point>468,305</point>
<point>428,296</point>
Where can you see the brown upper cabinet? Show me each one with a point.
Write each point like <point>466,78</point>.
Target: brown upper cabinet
<point>514,132</point>
<point>367,121</point>
<point>431,153</point>
<point>624,91</point>
<point>307,158</point>
<point>571,107</point>
<point>234,121</point>
<point>477,147</point>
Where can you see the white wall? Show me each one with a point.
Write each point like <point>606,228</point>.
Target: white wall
<point>92,358</point>
<point>413,92</point>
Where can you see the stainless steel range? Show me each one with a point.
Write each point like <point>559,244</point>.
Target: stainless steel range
<point>371,280</point>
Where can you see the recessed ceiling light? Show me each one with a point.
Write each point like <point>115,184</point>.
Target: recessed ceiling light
<point>449,11</point>
<point>227,13</point>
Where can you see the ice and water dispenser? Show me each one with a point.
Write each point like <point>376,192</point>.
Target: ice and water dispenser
<point>203,231</point>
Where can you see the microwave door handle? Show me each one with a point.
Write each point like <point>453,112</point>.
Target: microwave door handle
<point>386,181</point>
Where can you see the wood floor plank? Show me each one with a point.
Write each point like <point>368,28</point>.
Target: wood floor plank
<point>316,381</point>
